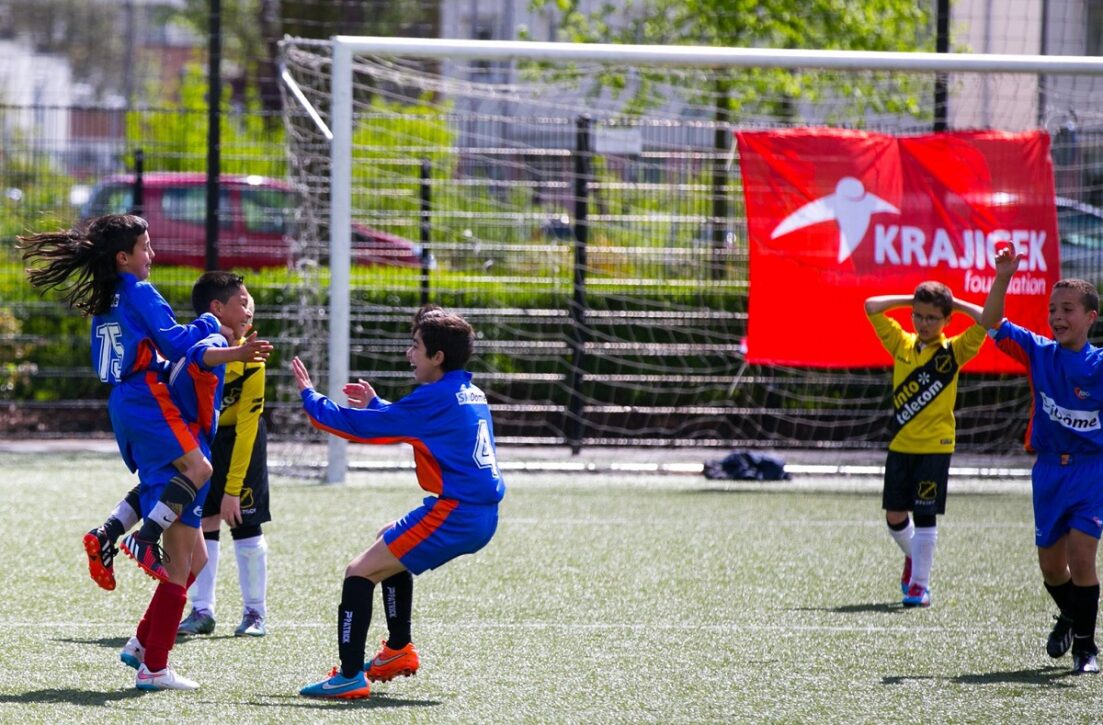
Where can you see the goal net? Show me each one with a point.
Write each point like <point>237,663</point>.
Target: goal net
<point>580,206</point>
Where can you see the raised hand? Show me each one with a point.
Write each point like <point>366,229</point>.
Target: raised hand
<point>359,393</point>
<point>1007,260</point>
<point>302,376</point>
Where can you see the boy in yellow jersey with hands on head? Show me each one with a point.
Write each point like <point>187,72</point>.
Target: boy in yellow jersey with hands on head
<point>925,366</point>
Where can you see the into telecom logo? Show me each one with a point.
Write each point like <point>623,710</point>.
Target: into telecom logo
<point>851,207</point>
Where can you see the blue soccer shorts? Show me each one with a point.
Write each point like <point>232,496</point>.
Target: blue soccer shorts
<point>149,429</point>
<point>1067,496</point>
<point>438,531</point>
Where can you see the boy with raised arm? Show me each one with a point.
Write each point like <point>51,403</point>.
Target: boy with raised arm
<point>1066,375</point>
<point>447,422</point>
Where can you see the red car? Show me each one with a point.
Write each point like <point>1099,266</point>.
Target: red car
<point>258,221</point>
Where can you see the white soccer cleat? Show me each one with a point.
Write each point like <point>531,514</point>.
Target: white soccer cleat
<point>166,679</point>
<point>133,654</point>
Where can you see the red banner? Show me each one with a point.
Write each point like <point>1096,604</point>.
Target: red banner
<point>837,216</point>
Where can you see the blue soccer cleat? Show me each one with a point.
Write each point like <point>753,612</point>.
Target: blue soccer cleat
<point>339,687</point>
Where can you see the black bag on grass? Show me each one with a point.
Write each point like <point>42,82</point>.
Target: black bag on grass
<point>747,466</point>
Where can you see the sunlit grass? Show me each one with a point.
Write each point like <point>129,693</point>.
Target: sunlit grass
<point>600,599</point>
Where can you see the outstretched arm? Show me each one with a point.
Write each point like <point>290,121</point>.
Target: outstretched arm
<point>250,350</point>
<point>883,303</point>
<point>1007,261</point>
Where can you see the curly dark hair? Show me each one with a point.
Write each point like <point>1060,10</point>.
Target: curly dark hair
<point>80,263</point>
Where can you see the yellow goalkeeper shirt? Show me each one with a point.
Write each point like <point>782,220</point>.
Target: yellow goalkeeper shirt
<point>933,429</point>
<point>242,404</point>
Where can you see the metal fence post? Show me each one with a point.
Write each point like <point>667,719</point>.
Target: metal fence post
<point>579,336</point>
<point>426,220</point>
<point>138,193</point>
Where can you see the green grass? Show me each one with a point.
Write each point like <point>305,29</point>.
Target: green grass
<point>601,599</point>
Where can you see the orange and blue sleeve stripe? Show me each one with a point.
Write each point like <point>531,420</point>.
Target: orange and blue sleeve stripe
<point>426,465</point>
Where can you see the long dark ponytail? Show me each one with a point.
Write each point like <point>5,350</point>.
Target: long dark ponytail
<point>80,264</point>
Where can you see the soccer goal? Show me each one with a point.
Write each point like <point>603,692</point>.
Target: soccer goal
<point>583,206</point>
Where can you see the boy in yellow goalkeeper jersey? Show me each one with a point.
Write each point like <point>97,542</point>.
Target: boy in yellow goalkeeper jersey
<point>922,428</point>
<point>238,496</point>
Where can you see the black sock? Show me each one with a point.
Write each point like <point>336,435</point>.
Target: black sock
<point>398,603</point>
<point>133,499</point>
<point>900,526</point>
<point>113,528</point>
<point>1085,601</point>
<point>1062,595</point>
<point>177,496</point>
<point>353,618</point>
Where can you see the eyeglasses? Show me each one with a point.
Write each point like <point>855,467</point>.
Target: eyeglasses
<point>927,319</point>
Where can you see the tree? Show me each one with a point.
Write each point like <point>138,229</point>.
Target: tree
<point>882,25</point>
<point>251,30</point>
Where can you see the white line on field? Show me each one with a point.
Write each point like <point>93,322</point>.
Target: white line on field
<point>575,626</point>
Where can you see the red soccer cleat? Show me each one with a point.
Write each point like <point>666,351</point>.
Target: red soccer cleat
<point>101,558</point>
<point>148,554</point>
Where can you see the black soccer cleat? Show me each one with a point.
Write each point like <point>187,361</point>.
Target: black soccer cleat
<point>1084,663</point>
<point>1060,639</point>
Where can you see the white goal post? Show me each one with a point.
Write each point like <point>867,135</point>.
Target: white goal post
<point>346,48</point>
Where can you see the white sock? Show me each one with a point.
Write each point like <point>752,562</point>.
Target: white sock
<point>125,515</point>
<point>162,515</point>
<point>202,591</point>
<point>923,547</point>
<point>903,537</point>
<point>252,572</point>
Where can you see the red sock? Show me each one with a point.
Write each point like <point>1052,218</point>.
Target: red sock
<point>191,580</point>
<point>164,617</point>
<point>143,624</point>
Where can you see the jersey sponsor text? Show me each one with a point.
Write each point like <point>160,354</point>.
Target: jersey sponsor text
<point>1072,419</point>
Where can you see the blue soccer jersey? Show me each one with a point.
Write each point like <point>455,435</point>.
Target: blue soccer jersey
<point>140,324</point>
<point>197,389</point>
<point>128,343</point>
<point>447,423</point>
<point>1067,391</point>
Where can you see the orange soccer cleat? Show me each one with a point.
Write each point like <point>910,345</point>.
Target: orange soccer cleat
<point>390,663</point>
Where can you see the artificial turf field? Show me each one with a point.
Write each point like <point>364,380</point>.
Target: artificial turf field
<point>601,599</point>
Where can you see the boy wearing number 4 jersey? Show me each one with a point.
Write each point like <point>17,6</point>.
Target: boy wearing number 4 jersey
<point>447,422</point>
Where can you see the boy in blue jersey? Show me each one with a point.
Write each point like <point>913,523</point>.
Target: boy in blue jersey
<point>1066,375</point>
<point>447,421</point>
<point>195,382</point>
<point>103,270</point>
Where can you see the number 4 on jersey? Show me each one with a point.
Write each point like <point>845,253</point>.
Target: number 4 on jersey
<point>484,450</point>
